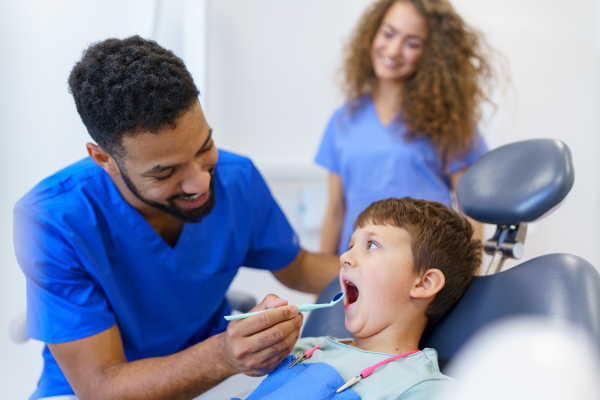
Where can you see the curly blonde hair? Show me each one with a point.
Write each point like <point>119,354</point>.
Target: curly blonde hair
<point>442,99</point>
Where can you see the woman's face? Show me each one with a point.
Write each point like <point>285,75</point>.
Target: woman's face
<point>399,43</point>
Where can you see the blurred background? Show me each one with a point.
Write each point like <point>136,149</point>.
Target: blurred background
<point>268,72</point>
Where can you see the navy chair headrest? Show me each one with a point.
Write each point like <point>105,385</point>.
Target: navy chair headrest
<point>538,172</point>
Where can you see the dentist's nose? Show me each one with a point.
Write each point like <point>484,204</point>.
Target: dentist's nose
<point>196,180</point>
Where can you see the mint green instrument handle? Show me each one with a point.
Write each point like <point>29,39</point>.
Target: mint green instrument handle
<point>301,308</point>
<point>310,307</point>
<point>242,316</point>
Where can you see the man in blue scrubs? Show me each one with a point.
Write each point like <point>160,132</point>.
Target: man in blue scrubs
<point>128,253</point>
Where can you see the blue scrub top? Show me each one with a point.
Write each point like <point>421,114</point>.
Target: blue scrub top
<point>376,162</point>
<point>91,260</point>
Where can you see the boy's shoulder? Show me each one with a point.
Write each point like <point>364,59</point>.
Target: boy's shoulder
<point>422,378</point>
<point>307,343</point>
<point>420,372</point>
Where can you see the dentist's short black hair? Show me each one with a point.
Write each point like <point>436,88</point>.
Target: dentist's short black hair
<point>126,86</point>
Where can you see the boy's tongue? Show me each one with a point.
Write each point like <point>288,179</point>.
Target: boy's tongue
<point>351,292</point>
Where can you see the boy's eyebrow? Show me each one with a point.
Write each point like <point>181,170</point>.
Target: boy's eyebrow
<point>371,233</point>
<point>159,168</point>
<point>367,233</point>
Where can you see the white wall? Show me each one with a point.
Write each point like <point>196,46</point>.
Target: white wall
<point>270,88</point>
<point>273,65</point>
<point>553,51</point>
<point>41,132</point>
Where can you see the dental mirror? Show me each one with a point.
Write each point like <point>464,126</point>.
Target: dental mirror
<point>301,307</point>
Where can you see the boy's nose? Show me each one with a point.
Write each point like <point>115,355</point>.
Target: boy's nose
<point>346,260</point>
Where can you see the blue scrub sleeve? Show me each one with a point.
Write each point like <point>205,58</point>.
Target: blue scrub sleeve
<point>63,302</point>
<point>477,148</point>
<point>327,155</point>
<point>274,243</point>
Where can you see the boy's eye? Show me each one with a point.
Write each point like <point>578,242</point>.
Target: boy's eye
<point>373,245</point>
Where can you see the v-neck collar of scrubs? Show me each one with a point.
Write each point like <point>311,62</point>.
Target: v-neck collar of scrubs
<point>395,119</point>
<point>134,220</point>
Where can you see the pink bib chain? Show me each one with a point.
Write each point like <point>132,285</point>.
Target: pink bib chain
<point>364,373</point>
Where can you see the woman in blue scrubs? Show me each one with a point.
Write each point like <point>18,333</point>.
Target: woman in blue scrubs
<point>415,75</point>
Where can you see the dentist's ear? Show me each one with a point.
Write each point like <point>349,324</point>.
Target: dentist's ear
<point>428,285</point>
<point>103,159</point>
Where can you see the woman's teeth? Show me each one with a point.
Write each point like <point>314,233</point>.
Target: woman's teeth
<point>389,62</point>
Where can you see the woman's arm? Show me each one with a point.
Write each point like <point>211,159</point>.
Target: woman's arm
<point>477,226</point>
<point>334,216</point>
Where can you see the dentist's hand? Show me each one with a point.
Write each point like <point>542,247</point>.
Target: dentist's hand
<point>256,345</point>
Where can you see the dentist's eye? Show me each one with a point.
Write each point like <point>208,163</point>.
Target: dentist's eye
<point>164,177</point>
<point>373,245</point>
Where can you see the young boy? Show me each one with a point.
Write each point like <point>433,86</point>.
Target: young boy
<point>408,263</point>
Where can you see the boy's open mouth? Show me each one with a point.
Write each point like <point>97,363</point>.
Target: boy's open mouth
<point>351,292</point>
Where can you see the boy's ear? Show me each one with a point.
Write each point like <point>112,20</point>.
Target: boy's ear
<point>103,159</point>
<point>432,281</point>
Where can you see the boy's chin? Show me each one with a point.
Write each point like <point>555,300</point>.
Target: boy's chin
<point>351,326</point>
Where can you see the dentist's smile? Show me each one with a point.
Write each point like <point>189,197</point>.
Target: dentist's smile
<point>193,201</point>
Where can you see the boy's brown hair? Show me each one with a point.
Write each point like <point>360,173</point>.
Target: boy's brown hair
<point>440,238</point>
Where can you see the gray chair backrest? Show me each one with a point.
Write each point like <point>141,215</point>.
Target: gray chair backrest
<point>560,286</point>
<point>518,182</point>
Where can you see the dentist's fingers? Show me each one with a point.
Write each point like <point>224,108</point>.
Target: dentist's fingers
<point>257,344</point>
<point>268,359</point>
<point>264,320</point>
<point>271,301</point>
<point>275,334</point>
<point>262,352</point>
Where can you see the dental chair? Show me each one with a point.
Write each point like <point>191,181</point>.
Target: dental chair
<point>510,187</point>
